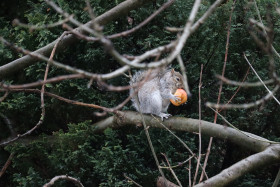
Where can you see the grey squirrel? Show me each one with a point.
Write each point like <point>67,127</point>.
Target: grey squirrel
<point>154,94</point>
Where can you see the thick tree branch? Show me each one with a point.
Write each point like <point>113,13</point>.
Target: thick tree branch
<point>267,157</point>
<point>267,153</point>
<point>186,124</point>
<point>103,19</point>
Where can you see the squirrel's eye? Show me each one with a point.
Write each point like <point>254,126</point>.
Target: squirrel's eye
<point>177,78</point>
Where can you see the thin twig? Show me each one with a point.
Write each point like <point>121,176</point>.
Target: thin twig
<point>8,123</point>
<point>4,96</point>
<point>71,19</point>
<point>245,105</point>
<point>261,79</point>
<point>7,164</point>
<point>90,11</point>
<point>199,127</point>
<point>276,181</point>
<point>42,92</point>
<point>53,62</point>
<point>130,180</point>
<point>151,146</point>
<point>178,165</point>
<point>63,99</point>
<point>261,25</point>
<point>190,173</point>
<point>39,27</point>
<point>171,170</point>
<point>183,71</point>
<point>39,83</point>
<point>237,90</point>
<point>189,28</point>
<point>243,84</point>
<point>220,90</point>
<point>152,16</point>
<point>264,30</point>
<point>183,143</point>
<point>244,133</point>
<point>124,33</point>
<point>147,132</point>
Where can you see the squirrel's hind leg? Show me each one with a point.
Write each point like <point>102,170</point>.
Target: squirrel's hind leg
<point>163,115</point>
<point>154,105</point>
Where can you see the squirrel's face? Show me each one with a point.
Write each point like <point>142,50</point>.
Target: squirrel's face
<point>178,79</point>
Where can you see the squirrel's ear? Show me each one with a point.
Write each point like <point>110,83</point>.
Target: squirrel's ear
<point>172,71</point>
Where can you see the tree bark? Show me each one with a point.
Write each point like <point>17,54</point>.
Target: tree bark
<point>25,61</point>
<point>161,182</point>
<point>267,157</point>
<point>188,125</point>
<point>267,153</point>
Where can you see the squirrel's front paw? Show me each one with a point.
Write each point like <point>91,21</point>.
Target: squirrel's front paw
<point>163,115</point>
<point>176,98</point>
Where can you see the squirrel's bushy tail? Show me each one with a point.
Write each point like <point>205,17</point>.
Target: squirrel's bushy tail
<point>136,78</point>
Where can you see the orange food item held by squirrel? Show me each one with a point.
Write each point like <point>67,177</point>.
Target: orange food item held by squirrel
<point>182,94</point>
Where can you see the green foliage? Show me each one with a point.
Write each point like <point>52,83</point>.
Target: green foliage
<point>94,159</point>
<point>33,179</point>
<point>69,146</point>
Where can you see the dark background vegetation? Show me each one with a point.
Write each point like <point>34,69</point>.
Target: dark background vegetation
<point>66,144</point>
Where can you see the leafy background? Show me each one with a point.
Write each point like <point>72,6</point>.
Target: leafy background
<point>66,144</point>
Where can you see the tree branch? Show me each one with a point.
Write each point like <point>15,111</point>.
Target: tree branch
<point>65,177</point>
<point>264,158</point>
<point>185,124</point>
<point>268,153</point>
<point>103,19</point>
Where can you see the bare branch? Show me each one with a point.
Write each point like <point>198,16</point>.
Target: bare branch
<point>7,164</point>
<point>180,164</point>
<point>64,177</point>
<point>245,105</point>
<point>53,62</point>
<point>244,84</point>
<point>130,180</point>
<point>190,173</point>
<point>152,16</point>
<point>269,153</point>
<point>258,160</point>
<point>263,27</point>
<point>186,124</point>
<point>84,27</point>
<point>245,133</point>
<point>199,126</point>
<point>38,27</point>
<point>237,90</point>
<point>4,96</point>
<point>41,82</point>
<point>220,90</point>
<point>41,120</point>
<point>261,80</point>
<point>120,9</point>
<point>171,170</point>
<point>62,99</point>
<point>182,142</point>
<point>252,21</point>
<point>183,71</point>
<point>276,181</point>
<point>8,123</point>
<point>181,40</point>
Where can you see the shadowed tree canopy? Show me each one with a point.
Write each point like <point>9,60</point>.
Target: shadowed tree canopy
<point>65,113</point>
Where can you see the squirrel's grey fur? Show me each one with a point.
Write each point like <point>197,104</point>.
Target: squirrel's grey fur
<point>154,94</point>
